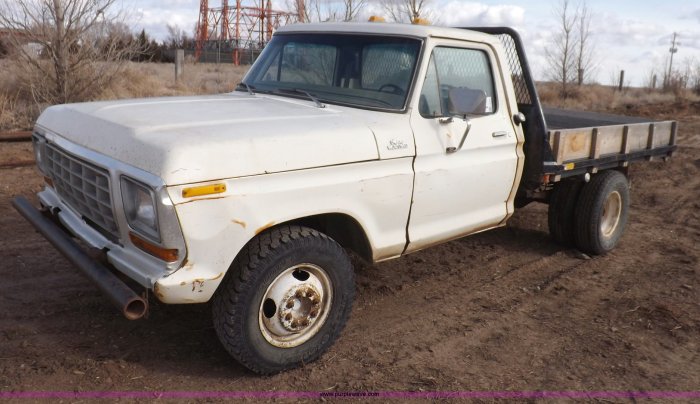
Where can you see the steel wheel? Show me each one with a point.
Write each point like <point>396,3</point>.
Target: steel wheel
<point>601,212</point>
<point>295,305</point>
<point>612,209</point>
<point>285,299</point>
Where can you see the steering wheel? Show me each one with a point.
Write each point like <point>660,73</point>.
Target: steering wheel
<point>393,89</point>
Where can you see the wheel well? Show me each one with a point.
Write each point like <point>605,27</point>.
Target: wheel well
<point>342,228</point>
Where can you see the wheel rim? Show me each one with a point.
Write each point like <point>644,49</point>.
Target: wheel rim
<point>295,305</point>
<point>611,214</point>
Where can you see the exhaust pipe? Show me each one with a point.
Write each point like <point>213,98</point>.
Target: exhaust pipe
<point>122,296</point>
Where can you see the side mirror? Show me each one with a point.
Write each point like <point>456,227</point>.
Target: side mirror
<point>464,101</point>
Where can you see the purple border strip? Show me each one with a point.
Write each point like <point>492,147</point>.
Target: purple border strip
<point>378,394</point>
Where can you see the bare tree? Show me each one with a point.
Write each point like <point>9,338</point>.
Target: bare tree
<point>686,72</point>
<point>178,38</point>
<point>351,8</point>
<point>561,53</point>
<point>695,77</point>
<point>317,10</point>
<point>650,80</point>
<point>411,11</point>
<point>84,46</point>
<point>585,57</point>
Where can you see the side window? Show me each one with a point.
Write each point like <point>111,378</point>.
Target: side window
<point>303,63</point>
<point>458,80</point>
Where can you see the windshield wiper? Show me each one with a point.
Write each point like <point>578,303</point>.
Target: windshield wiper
<point>304,92</point>
<point>247,87</point>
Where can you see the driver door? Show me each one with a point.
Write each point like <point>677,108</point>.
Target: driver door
<point>466,164</point>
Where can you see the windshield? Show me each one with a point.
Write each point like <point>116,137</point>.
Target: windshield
<point>363,70</point>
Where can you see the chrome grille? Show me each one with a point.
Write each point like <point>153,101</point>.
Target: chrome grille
<point>84,187</point>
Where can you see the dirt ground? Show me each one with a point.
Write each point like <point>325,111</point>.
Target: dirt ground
<point>503,310</point>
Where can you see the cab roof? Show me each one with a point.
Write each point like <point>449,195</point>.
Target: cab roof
<point>411,30</point>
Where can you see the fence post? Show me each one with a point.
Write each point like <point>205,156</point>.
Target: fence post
<point>622,80</point>
<point>179,64</point>
<point>653,83</point>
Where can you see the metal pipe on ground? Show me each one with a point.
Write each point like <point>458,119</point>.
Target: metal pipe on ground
<point>15,164</point>
<point>23,136</point>
<point>122,296</point>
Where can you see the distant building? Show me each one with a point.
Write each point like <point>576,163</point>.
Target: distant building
<point>33,49</point>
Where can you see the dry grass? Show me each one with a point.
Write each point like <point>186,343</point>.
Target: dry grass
<point>156,79</point>
<point>18,109</point>
<point>601,98</point>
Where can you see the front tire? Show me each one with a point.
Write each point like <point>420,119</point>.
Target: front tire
<point>601,213</point>
<point>285,299</point>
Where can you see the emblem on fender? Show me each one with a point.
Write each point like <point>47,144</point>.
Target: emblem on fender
<point>396,144</point>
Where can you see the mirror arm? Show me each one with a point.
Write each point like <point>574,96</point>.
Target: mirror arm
<point>452,149</point>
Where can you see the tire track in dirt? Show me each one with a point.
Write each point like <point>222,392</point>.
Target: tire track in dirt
<point>466,319</point>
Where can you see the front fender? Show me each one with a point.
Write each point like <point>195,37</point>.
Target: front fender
<point>216,227</point>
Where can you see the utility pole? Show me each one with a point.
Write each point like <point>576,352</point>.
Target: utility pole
<point>673,49</point>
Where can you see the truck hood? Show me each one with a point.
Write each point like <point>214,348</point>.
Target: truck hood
<point>192,139</point>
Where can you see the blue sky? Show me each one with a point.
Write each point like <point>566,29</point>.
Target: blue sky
<point>630,35</point>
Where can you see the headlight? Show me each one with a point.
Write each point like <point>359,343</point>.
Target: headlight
<point>39,146</point>
<point>140,208</point>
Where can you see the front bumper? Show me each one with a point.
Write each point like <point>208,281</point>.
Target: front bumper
<point>122,296</point>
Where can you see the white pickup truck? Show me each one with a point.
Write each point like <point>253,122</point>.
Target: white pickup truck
<point>376,139</point>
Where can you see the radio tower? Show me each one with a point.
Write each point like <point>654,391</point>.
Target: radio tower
<point>243,29</point>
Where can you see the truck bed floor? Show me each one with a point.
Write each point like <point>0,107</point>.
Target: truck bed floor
<point>570,119</point>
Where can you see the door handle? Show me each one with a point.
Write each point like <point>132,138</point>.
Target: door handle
<point>499,134</point>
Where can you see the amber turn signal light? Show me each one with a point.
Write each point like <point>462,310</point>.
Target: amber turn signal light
<point>165,254</point>
<point>203,190</point>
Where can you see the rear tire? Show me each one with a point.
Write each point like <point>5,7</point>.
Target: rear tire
<point>561,213</point>
<point>285,300</point>
<point>601,214</point>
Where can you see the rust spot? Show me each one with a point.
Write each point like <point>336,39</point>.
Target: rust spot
<point>197,283</point>
<point>157,292</point>
<point>577,142</point>
<point>183,283</point>
<point>240,222</point>
<point>265,227</point>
